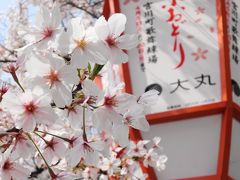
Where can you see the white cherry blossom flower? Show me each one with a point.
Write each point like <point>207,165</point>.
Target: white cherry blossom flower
<point>82,46</point>
<point>156,141</point>
<point>10,170</point>
<point>54,76</point>
<point>111,106</point>
<point>22,146</point>
<point>150,158</point>
<point>148,99</point>
<point>133,118</point>
<point>90,173</point>
<point>111,32</point>
<point>82,150</point>
<point>74,114</point>
<point>46,29</point>
<point>91,90</point>
<point>110,165</point>
<point>138,149</point>
<point>128,167</point>
<point>161,162</point>
<point>53,150</point>
<point>29,108</point>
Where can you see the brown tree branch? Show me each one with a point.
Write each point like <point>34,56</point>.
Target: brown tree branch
<point>96,3</point>
<point>9,50</point>
<point>7,61</point>
<point>81,8</point>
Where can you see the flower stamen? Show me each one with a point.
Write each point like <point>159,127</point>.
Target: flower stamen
<point>7,165</point>
<point>110,41</point>
<point>87,148</point>
<point>47,33</point>
<point>30,107</point>
<point>110,101</point>
<point>52,77</point>
<point>81,43</point>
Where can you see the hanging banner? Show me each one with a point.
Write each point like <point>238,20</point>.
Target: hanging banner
<point>233,7</point>
<point>178,53</point>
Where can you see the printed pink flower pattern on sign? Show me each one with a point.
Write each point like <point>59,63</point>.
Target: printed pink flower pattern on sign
<point>200,54</point>
<point>200,10</point>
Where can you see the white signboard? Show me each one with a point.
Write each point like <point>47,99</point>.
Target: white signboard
<point>191,145</point>
<point>178,53</point>
<point>234,34</point>
<point>234,164</point>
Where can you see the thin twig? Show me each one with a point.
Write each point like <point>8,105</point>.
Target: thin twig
<point>45,161</point>
<point>81,8</point>
<point>7,61</point>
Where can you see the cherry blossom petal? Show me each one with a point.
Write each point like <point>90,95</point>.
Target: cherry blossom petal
<point>49,155</point>
<point>117,24</point>
<point>100,116</point>
<point>141,124</point>
<point>69,75</point>
<point>42,68</point>
<point>101,28</point>
<point>77,29</point>
<point>56,15</point>
<point>79,59</point>
<point>64,43</point>
<point>127,41</point>
<point>120,134</point>
<point>24,148</point>
<point>43,17</point>
<point>20,172</point>
<point>55,62</point>
<point>11,100</point>
<point>28,125</point>
<point>97,145</point>
<point>43,100</point>
<point>91,89</point>
<point>118,56</point>
<point>46,116</point>
<point>91,157</point>
<point>73,156</point>
<point>62,95</point>
<point>99,52</point>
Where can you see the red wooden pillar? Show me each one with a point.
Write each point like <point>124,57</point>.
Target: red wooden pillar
<point>225,140</point>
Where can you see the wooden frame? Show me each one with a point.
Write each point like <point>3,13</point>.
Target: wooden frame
<point>226,106</point>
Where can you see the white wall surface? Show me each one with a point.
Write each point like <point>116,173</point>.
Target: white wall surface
<point>191,146</point>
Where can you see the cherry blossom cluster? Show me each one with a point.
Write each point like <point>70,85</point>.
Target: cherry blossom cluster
<point>21,13</point>
<point>57,119</point>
